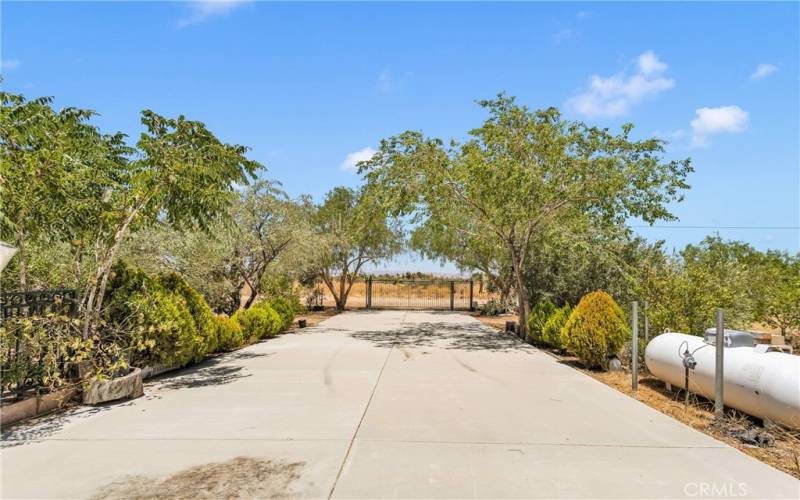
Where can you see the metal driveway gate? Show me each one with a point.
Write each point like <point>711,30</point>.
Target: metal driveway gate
<point>419,294</point>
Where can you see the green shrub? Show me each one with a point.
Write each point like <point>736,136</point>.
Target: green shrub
<point>199,309</point>
<point>229,333</point>
<point>259,321</point>
<point>158,323</point>
<point>493,307</point>
<point>281,286</point>
<point>551,332</point>
<point>596,330</point>
<point>285,310</point>
<point>538,317</point>
<point>163,329</point>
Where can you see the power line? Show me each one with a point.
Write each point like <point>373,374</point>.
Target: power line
<point>771,228</point>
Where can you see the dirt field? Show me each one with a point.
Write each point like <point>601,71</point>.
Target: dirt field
<point>699,414</point>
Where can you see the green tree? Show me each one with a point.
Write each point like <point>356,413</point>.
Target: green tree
<point>522,173</point>
<point>263,233</point>
<point>353,229</point>
<point>778,299</point>
<point>56,170</point>
<point>181,174</point>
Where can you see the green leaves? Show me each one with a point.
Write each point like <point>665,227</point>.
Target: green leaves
<point>520,176</point>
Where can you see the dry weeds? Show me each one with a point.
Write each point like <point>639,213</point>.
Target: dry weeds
<point>241,477</point>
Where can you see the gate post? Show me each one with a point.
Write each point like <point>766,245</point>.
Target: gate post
<point>452,293</point>
<point>471,308</point>
<point>369,293</point>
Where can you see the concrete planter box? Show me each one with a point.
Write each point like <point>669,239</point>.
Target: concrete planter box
<point>152,371</point>
<point>127,386</point>
<point>36,406</point>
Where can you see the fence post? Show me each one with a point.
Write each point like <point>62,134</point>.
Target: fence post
<point>369,292</point>
<point>719,381</point>
<point>452,294</point>
<point>470,295</point>
<point>635,346</point>
<point>646,323</point>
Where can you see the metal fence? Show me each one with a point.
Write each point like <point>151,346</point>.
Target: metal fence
<point>418,294</point>
<point>38,302</point>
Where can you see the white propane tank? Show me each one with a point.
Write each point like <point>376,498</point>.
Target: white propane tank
<point>763,384</point>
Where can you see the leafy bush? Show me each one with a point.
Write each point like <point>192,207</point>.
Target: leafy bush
<point>199,309</point>
<point>159,323</point>
<point>493,307</point>
<point>229,333</point>
<point>281,286</point>
<point>259,321</point>
<point>551,332</point>
<point>538,317</point>
<point>42,346</point>
<point>284,309</point>
<point>596,330</point>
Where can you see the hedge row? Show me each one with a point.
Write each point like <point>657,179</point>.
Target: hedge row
<point>170,323</point>
<point>594,331</point>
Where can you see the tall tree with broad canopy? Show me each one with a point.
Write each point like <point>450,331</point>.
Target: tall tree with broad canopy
<point>55,171</point>
<point>353,230</point>
<point>523,173</point>
<point>264,232</point>
<point>180,174</point>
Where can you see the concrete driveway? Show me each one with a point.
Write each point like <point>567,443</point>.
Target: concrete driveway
<point>381,404</point>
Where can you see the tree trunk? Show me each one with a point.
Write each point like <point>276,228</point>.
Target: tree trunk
<point>98,288</point>
<point>522,303</point>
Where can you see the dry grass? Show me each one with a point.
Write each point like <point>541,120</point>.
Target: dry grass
<point>497,322</point>
<point>438,290</point>
<point>241,477</point>
<point>699,414</point>
<point>313,318</point>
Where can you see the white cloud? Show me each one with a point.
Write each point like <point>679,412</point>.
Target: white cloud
<point>202,10</point>
<point>9,64</point>
<point>710,121</point>
<point>351,160</point>
<point>387,83</point>
<point>763,70</point>
<point>616,94</point>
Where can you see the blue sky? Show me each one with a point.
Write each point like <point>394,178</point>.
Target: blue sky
<point>308,86</point>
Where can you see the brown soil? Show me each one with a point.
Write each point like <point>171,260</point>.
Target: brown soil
<point>699,414</point>
<point>313,318</point>
<point>497,322</point>
<point>241,477</point>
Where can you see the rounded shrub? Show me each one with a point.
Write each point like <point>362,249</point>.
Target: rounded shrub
<point>551,332</point>
<point>285,310</point>
<point>199,309</point>
<point>596,330</point>
<point>163,328</point>
<point>229,333</point>
<point>540,313</point>
<point>259,321</point>
<point>159,326</point>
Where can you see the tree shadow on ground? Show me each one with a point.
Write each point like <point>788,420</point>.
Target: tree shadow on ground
<point>207,373</point>
<point>41,428</point>
<point>465,337</point>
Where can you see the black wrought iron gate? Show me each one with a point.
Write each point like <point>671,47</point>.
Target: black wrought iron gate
<point>419,294</point>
